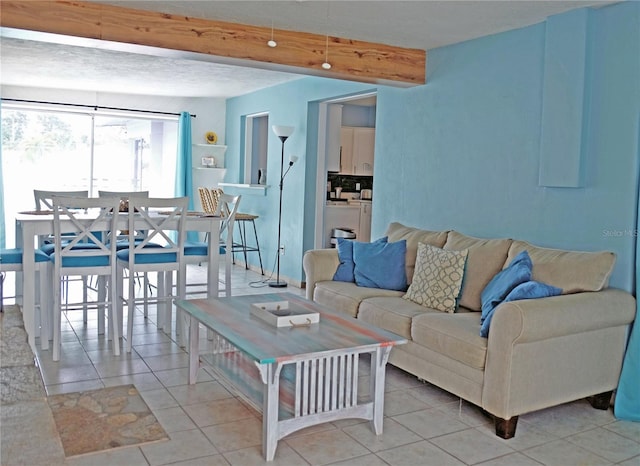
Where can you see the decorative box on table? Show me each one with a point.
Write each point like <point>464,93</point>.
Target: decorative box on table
<point>282,314</point>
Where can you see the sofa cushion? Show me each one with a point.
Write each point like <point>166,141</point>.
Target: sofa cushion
<point>527,290</point>
<point>573,271</point>
<point>345,270</point>
<point>397,231</point>
<point>437,278</point>
<point>486,258</point>
<point>391,314</point>
<point>455,335</point>
<point>380,265</point>
<point>346,297</point>
<point>518,271</point>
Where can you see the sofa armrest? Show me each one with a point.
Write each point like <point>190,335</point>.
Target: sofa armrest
<point>319,265</point>
<point>543,352</point>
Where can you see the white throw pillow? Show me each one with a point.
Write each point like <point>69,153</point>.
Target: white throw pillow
<point>437,279</point>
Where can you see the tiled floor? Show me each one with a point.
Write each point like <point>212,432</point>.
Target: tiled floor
<point>208,426</point>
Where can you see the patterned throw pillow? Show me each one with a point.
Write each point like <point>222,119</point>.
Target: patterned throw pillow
<point>437,279</point>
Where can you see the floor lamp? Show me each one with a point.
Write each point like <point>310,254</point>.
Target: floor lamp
<point>283,132</point>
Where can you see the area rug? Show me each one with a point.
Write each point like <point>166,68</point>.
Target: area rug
<point>102,419</point>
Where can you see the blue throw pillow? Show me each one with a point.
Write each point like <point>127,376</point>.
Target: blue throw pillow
<point>344,272</point>
<point>518,271</point>
<point>380,265</point>
<point>526,290</point>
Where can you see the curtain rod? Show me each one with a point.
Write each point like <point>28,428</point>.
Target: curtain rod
<point>94,107</point>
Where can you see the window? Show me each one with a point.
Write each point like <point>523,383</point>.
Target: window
<point>54,150</point>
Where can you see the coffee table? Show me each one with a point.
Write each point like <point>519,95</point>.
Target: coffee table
<point>297,377</point>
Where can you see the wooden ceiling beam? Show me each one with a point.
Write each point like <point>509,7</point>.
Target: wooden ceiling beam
<point>228,43</point>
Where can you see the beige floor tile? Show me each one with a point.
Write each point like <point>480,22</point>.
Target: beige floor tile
<point>131,456</point>
<point>212,460</point>
<point>327,447</point>
<point>631,462</point>
<point>401,402</point>
<point>430,423</point>
<point>466,412</point>
<point>527,436</point>
<point>393,435</point>
<point>69,374</point>
<point>74,387</point>
<point>366,460</point>
<point>432,395</point>
<point>471,447</point>
<point>607,444</point>
<point>421,453</point>
<point>157,349</point>
<point>143,382</point>
<point>252,456</point>
<point>201,392</point>
<point>569,418</point>
<point>235,435</point>
<point>176,377</point>
<point>117,368</point>
<point>183,445</point>
<point>628,429</point>
<point>174,419</point>
<point>218,412</point>
<point>159,399</point>
<point>512,459</point>
<point>563,453</point>
<point>167,361</point>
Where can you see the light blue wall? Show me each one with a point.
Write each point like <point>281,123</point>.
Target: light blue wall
<point>292,104</point>
<point>462,151</point>
<point>465,147</point>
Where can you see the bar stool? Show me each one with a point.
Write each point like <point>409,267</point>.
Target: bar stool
<point>242,246</point>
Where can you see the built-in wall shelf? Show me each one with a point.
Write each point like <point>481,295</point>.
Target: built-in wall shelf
<point>209,168</point>
<point>246,187</point>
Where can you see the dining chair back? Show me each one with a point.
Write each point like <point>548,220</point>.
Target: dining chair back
<point>163,220</point>
<point>90,251</point>
<point>197,252</point>
<point>44,199</point>
<point>11,261</point>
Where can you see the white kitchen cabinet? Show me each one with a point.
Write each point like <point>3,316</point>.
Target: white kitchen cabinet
<point>363,149</point>
<point>357,149</point>
<point>346,150</point>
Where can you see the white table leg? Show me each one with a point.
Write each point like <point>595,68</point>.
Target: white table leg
<point>24,239</point>
<point>194,354</point>
<point>213,272</point>
<point>270,374</point>
<point>376,389</point>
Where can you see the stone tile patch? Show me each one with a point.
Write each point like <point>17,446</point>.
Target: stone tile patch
<point>97,420</point>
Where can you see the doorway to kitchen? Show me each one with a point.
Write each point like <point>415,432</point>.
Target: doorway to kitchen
<point>346,143</point>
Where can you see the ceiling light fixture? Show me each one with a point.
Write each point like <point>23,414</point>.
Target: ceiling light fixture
<point>272,43</point>
<point>326,65</point>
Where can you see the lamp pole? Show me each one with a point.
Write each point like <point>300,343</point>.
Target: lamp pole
<point>283,132</point>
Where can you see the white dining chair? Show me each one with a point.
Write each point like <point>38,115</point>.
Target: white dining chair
<point>90,251</point>
<point>196,252</point>
<point>123,238</point>
<point>163,220</point>
<point>11,261</point>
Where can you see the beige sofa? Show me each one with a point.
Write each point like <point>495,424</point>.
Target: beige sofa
<point>539,352</point>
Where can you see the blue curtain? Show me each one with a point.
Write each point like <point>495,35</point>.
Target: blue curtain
<point>627,402</point>
<point>184,177</point>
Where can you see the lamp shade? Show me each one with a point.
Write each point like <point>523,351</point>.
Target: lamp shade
<point>283,131</point>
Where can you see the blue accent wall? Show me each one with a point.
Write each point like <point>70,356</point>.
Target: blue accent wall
<point>465,147</point>
<point>292,104</point>
<point>463,151</point>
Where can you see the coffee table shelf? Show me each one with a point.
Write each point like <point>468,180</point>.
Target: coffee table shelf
<point>296,377</point>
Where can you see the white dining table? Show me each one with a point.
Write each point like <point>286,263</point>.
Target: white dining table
<point>31,225</point>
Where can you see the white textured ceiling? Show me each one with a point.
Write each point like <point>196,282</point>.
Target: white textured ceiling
<point>419,24</point>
